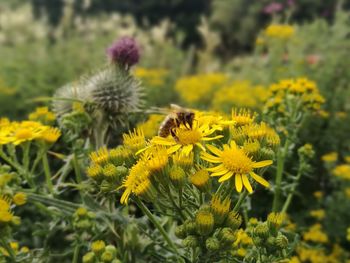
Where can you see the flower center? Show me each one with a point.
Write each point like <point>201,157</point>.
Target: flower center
<point>236,161</point>
<point>188,136</point>
<point>24,134</point>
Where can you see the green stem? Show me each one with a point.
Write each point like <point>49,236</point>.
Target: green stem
<point>76,254</point>
<point>7,159</point>
<point>77,168</point>
<point>47,172</point>
<point>241,198</point>
<point>291,194</point>
<point>281,157</point>
<point>151,217</point>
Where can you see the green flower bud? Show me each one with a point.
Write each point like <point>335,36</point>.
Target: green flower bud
<point>190,227</point>
<point>258,241</point>
<point>84,224</point>
<point>190,241</point>
<point>180,231</point>
<point>16,220</point>
<point>107,186</point>
<point>107,256</point>
<point>220,208</point>
<point>227,236</point>
<point>112,249</point>
<point>89,257</point>
<point>204,222</point>
<point>122,171</point>
<point>266,154</point>
<point>233,220</point>
<point>271,242</point>
<point>282,241</point>
<point>212,244</point>
<point>262,230</point>
<point>110,172</point>
<point>177,176</point>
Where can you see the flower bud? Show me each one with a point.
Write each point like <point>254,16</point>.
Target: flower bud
<point>95,172</point>
<point>107,186</point>
<point>275,220</point>
<point>125,52</point>
<point>110,172</point>
<point>81,212</point>
<point>204,222</point>
<point>20,198</point>
<point>220,208</point>
<point>227,236</point>
<point>233,220</point>
<point>212,244</point>
<point>98,246</point>
<point>84,224</point>
<point>267,154</point>
<point>271,242</point>
<point>190,241</point>
<point>282,241</point>
<point>89,257</point>
<point>180,231</point>
<point>201,180</point>
<point>107,256</point>
<point>146,190</point>
<point>16,220</point>
<point>262,230</point>
<point>177,176</point>
<point>112,249</point>
<point>190,226</point>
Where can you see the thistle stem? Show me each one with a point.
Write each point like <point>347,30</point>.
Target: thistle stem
<point>76,254</point>
<point>151,217</point>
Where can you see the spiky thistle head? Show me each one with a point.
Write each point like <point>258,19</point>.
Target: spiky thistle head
<point>114,91</point>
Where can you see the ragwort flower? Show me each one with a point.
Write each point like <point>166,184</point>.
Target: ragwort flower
<point>186,139</point>
<point>233,161</point>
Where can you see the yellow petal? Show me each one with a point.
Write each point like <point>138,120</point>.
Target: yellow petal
<point>163,141</point>
<point>226,176</point>
<point>173,149</point>
<point>212,138</point>
<point>210,158</point>
<point>125,197</point>
<point>219,173</point>
<point>200,146</point>
<point>187,149</point>
<point>238,183</point>
<point>247,183</point>
<point>216,168</point>
<point>262,164</point>
<point>214,150</point>
<point>259,179</point>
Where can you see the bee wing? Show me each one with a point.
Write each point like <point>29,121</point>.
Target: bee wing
<point>157,110</point>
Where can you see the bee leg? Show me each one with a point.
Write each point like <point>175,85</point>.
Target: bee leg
<point>172,132</point>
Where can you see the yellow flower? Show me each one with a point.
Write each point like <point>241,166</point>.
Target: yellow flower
<point>315,234</point>
<point>200,179</point>
<point>98,246</point>
<point>152,77</point>
<point>330,157</point>
<point>186,139</point>
<point>318,194</point>
<point>279,31</point>
<point>5,204</point>
<point>50,135</point>
<point>42,114</point>
<point>134,140</point>
<point>5,216</point>
<point>199,88</point>
<point>233,161</point>
<point>185,161</point>
<point>101,156</point>
<point>213,120</point>
<point>318,214</point>
<point>27,131</point>
<point>220,208</point>
<point>137,175</point>
<point>276,219</point>
<point>20,198</point>
<point>155,158</point>
<point>342,171</point>
<point>242,117</point>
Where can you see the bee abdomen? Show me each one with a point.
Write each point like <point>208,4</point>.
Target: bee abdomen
<point>166,126</point>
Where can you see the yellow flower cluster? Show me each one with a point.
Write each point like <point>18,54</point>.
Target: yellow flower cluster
<point>100,252</point>
<point>318,214</point>
<point>15,248</point>
<point>239,162</point>
<point>302,91</point>
<point>43,115</point>
<point>319,255</point>
<point>279,31</point>
<point>151,77</point>
<point>342,171</point>
<point>200,88</point>
<point>315,234</point>
<point>239,94</point>
<point>20,132</point>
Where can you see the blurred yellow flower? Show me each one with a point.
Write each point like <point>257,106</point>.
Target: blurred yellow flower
<point>315,234</point>
<point>279,31</point>
<point>318,214</point>
<point>330,157</point>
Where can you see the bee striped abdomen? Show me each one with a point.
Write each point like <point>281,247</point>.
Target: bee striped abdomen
<point>167,125</point>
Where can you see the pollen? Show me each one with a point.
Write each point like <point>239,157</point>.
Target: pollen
<point>236,160</point>
<point>186,137</point>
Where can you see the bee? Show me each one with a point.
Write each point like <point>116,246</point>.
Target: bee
<point>173,120</point>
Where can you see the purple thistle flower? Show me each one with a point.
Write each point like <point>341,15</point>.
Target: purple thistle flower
<point>124,51</point>
<point>273,8</point>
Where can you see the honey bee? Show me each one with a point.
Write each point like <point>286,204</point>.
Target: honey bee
<point>173,120</point>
